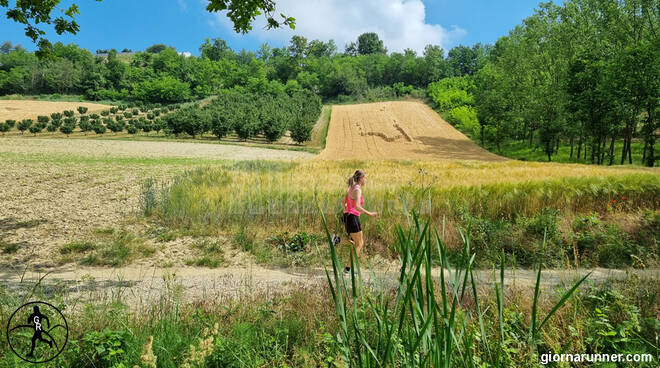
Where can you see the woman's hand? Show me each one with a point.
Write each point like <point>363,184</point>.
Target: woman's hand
<point>373,214</point>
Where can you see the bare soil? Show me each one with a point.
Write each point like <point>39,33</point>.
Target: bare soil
<point>397,130</point>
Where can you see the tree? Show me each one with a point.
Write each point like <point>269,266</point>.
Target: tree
<point>24,125</point>
<point>370,43</point>
<point>217,50</point>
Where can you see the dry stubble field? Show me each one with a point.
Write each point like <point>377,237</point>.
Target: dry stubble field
<point>29,109</point>
<point>397,130</point>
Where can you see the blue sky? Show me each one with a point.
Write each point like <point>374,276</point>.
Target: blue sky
<point>185,24</point>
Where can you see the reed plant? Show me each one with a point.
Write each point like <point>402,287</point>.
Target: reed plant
<point>425,323</point>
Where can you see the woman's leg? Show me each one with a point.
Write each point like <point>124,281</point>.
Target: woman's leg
<point>358,240</point>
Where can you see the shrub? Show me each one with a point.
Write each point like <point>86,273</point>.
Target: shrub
<point>69,113</point>
<point>128,115</point>
<point>70,121</point>
<point>4,127</point>
<point>94,116</point>
<point>67,128</point>
<point>114,109</point>
<point>119,118</point>
<point>84,118</point>
<point>43,119</point>
<point>99,128</point>
<point>151,116</point>
<point>24,125</point>
<point>132,129</point>
<point>105,112</point>
<point>56,116</point>
<point>122,107</point>
<point>85,125</point>
<point>82,110</point>
<point>147,126</point>
<point>10,123</point>
<point>452,92</point>
<point>135,111</point>
<point>465,120</point>
<point>52,127</point>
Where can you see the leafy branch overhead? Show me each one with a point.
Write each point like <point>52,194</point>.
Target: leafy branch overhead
<point>243,13</point>
<point>35,12</point>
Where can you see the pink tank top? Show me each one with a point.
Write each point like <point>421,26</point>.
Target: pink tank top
<point>350,202</point>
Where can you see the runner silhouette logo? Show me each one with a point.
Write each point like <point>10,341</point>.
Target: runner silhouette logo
<point>37,332</point>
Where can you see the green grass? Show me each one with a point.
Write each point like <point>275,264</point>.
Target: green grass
<point>211,254</point>
<point>522,151</point>
<point>108,248</point>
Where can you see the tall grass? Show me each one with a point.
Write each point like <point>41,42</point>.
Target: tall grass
<point>285,194</point>
<point>423,325</point>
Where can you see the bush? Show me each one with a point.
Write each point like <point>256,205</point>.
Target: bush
<point>465,120</point>
<point>453,92</point>
<point>10,123</point>
<point>43,119</point>
<point>135,111</point>
<point>82,110</point>
<point>99,128</point>
<point>56,116</point>
<point>122,107</point>
<point>52,127</point>
<point>85,125</point>
<point>105,112</point>
<point>114,109</point>
<point>4,127</point>
<point>69,113</point>
<point>24,125</point>
<point>94,116</point>
<point>70,121</point>
<point>132,129</point>
<point>128,115</point>
<point>67,128</point>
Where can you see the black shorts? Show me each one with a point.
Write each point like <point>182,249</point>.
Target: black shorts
<point>352,223</point>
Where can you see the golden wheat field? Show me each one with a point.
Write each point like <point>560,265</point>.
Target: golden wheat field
<point>397,130</point>
<point>30,109</point>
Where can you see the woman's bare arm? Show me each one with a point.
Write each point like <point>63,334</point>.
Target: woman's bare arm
<point>358,206</point>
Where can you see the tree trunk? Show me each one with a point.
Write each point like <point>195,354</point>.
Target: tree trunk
<point>531,137</point>
<point>625,146</point>
<point>650,136</point>
<point>571,156</point>
<point>612,149</point>
<point>579,150</point>
<point>482,136</point>
<point>557,147</point>
<point>630,149</point>
<point>646,144</point>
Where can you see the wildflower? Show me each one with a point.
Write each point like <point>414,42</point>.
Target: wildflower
<point>623,198</point>
<point>614,201</point>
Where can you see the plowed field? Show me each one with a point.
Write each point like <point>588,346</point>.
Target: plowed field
<point>397,130</point>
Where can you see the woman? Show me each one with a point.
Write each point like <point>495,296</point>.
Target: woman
<point>353,202</point>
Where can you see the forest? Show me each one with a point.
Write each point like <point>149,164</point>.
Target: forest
<point>583,74</point>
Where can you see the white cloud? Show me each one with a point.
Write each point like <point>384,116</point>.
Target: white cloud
<point>185,53</point>
<point>400,24</point>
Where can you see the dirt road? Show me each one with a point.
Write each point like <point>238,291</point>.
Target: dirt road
<point>144,285</point>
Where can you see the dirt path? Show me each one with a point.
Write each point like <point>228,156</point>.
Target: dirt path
<point>144,285</point>
<point>397,130</point>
